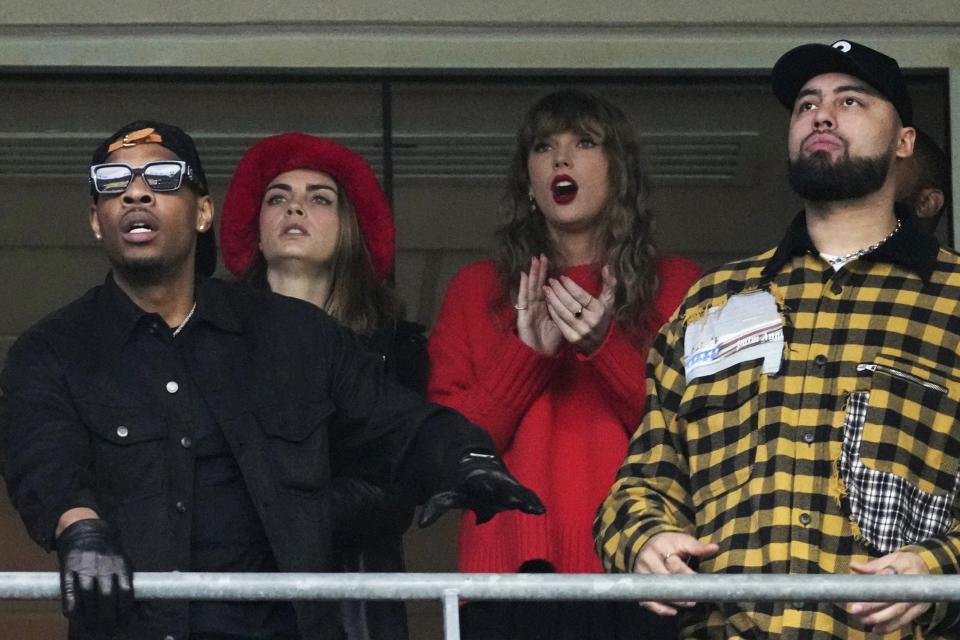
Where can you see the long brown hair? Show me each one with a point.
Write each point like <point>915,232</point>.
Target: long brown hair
<point>357,299</point>
<point>626,224</point>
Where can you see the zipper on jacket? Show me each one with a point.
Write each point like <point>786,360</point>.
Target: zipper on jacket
<point>903,375</point>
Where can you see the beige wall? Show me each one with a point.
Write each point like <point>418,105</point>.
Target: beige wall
<point>604,12</point>
<point>466,34</point>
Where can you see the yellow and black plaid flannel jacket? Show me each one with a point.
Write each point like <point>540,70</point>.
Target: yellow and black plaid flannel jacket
<point>752,461</point>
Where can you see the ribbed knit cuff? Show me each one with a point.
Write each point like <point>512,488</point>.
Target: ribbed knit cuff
<point>515,373</point>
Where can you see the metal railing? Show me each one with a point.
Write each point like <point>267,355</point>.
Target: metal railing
<point>449,588</point>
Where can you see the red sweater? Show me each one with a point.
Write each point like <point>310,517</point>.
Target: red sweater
<point>561,423</point>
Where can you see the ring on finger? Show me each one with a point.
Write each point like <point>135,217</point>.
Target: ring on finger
<point>668,556</point>
<point>578,312</point>
<point>520,308</point>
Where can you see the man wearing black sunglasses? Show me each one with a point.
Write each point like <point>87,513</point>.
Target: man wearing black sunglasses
<point>170,422</point>
<point>172,162</point>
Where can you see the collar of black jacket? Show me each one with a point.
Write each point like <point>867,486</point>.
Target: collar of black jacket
<point>122,314</point>
<point>910,247</point>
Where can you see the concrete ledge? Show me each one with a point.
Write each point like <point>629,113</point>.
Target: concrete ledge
<point>357,48</point>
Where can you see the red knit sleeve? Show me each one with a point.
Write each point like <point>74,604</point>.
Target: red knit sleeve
<point>619,360</point>
<point>483,371</point>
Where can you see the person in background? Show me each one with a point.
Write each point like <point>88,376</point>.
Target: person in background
<point>923,182</point>
<point>305,217</point>
<point>545,348</point>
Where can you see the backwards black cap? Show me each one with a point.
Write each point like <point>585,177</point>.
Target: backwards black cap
<point>180,143</point>
<point>797,66</point>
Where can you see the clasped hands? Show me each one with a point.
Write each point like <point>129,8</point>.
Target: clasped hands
<point>669,552</point>
<point>551,310</point>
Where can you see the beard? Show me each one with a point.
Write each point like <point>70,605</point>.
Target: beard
<point>143,272</point>
<point>816,179</point>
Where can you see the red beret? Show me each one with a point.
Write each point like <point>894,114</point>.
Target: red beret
<point>268,158</point>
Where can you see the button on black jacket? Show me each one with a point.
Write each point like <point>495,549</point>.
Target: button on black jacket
<point>89,418</point>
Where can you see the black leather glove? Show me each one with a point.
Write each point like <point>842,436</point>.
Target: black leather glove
<point>483,484</point>
<point>96,581</point>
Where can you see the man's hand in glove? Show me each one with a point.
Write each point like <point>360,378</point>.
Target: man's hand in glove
<point>483,484</point>
<point>96,581</point>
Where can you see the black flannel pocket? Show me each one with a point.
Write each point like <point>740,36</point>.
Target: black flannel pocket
<point>127,450</point>
<point>297,444</point>
<point>722,433</point>
<point>899,457</point>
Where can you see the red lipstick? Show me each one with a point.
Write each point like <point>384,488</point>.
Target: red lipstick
<point>564,189</point>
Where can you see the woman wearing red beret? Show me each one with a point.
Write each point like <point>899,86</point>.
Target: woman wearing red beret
<point>305,217</point>
<point>545,347</point>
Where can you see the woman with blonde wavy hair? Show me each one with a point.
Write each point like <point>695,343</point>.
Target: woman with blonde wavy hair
<point>545,347</point>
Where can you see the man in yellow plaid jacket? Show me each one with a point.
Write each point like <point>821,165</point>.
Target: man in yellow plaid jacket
<point>803,403</point>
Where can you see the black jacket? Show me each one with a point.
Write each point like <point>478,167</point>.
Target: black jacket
<point>369,518</point>
<point>86,421</point>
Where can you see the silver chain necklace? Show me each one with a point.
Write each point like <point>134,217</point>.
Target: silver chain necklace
<point>185,320</point>
<point>853,255</point>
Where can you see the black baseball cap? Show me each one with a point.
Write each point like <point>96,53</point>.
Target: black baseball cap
<point>797,66</point>
<point>180,143</point>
